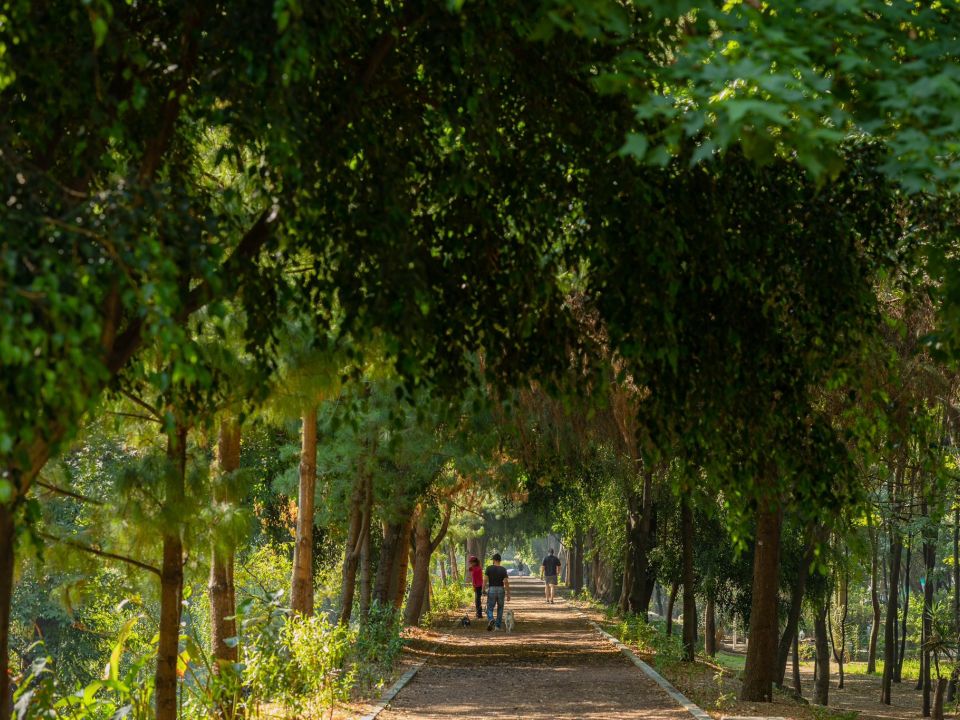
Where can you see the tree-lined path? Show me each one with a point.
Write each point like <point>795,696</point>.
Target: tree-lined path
<point>552,666</point>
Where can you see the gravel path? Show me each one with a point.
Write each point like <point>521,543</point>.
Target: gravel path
<point>552,666</point>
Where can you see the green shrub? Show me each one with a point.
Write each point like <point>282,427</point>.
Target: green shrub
<point>303,666</point>
<point>126,690</point>
<point>666,649</point>
<point>446,599</point>
<point>378,643</point>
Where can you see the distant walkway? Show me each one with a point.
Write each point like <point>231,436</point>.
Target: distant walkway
<point>552,666</point>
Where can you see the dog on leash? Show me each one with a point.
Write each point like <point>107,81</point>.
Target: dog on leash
<point>464,621</point>
<point>509,621</point>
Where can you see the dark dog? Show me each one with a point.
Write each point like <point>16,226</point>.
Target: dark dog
<point>464,621</point>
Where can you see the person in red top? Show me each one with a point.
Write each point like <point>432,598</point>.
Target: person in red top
<point>476,576</point>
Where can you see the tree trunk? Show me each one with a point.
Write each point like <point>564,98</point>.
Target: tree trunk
<point>419,600</point>
<point>761,665</point>
<point>637,577</point>
<point>898,670</point>
<point>796,605</point>
<point>670,605</point>
<point>821,683</point>
<point>952,687</point>
<point>360,510</point>
<point>398,583</point>
<point>875,602</point>
<point>421,570</point>
<point>710,627</point>
<point>840,656</point>
<point>6,593</point>
<point>301,584</point>
<point>889,643</point>
<point>454,565</point>
<point>689,599</point>
<point>930,561</point>
<point>797,687</point>
<point>366,586</point>
<point>388,557</point>
<point>223,624</point>
<point>171,583</point>
<point>577,570</point>
<point>938,699</point>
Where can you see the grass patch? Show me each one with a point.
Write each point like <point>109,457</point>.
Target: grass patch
<point>911,668</point>
<point>730,661</point>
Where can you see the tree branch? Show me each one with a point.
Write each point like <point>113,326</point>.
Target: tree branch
<point>442,532</point>
<point>247,249</point>
<point>144,404</point>
<point>68,493</point>
<point>101,553</point>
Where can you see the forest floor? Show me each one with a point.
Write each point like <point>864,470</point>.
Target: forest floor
<point>552,666</point>
<point>715,688</point>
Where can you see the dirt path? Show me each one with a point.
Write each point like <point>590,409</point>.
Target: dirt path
<point>551,666</point>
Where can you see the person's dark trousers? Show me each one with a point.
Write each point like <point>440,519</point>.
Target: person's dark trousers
<point>477,595</point>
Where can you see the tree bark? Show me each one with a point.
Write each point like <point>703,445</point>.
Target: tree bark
<point>710,627</point>
<point>366,586</point>
<point>841,655</point>
<point>454,565</point>
<point>889,643</point>
<point>898,670</point>
<point>301,584</point>
<point>797,687</point>
<point>952,686</point>
<point>875,603</point>
<point>360,510</point>
<point>576,579</point>
<point>796,605</point>
<point>398,583</point>
<point>386,570</point>
<point>223,624</point>
<point>689,599</point>
<point>821,683</point>
<point>761,665</point>
<point>638,581</point>
<point>424,548</point>
<point>670,605</point>
<point>7,537</point>
<point>171,583</point>
<point>930,561</point>
<point>938,699</point>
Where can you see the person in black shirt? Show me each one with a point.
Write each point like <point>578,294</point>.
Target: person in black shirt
<point>497,585</point>
<point>549,570</point>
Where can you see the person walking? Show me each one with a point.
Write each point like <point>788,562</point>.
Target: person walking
<point>497,585</point>
<point>549,570</point>
<point>476,577</point>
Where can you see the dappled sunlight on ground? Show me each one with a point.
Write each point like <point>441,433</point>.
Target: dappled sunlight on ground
<point>552,666</point>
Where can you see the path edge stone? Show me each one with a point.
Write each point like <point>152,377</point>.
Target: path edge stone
<point>684,701</point>
<point>393,691</point>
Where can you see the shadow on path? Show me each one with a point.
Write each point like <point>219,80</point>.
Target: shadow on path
<point>552,666</point>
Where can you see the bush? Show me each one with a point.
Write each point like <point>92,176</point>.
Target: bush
<point>303,666</point>
<point>124,692</point>
<point>447,599</point>
<point>666,649</point>
<point>378,644</point>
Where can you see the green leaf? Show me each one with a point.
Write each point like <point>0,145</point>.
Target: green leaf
<point>635,145</point>
<point>99,25</point>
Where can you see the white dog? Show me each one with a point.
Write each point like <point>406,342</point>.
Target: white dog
<point>508,621</point>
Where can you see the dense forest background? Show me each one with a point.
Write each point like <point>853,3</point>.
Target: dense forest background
<point>302,303</point>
